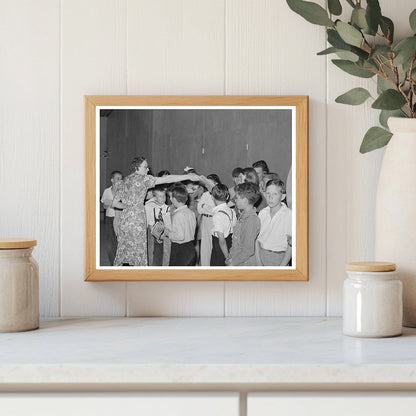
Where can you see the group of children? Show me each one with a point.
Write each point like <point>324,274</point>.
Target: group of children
<point>207,224</point>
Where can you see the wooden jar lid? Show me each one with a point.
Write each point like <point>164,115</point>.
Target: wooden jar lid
<point>371,266</point>
<point>11,243</point>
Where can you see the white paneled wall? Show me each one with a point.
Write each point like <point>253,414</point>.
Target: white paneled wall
<point>55,52</point>
<point>93,61</point>
<point>30,135</point>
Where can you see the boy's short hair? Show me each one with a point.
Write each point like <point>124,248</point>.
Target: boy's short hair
<point>188,170</point>
<point>180,194</point>
<point>115,172</point>
<point>269,176</point>
<point>261,164</point>
<point>279,183</point>
<point>220,193</point>
<point>251,175</point>
<point>163,173</point>
<point>248,190</point>
<point>237,172</point>
<point>159,188</point>
<point>214,177</point>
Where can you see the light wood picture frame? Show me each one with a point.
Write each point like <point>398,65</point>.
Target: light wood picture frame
<point>98,154</point>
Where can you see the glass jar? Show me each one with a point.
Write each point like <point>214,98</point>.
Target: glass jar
<point>19,286</point>
<point>372,300</point>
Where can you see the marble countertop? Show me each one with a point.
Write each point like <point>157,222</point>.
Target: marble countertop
<point>204,351</point>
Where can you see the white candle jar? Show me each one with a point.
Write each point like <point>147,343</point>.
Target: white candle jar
<point>372,300</point>
<point>19,286</point>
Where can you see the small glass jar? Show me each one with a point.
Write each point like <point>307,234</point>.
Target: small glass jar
<point>372,300</point>
<point>19,286</point>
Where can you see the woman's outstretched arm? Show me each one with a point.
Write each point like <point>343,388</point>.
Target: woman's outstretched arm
<point>177,178</point>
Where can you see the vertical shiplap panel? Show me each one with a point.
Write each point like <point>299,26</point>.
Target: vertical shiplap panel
<point>175,47</point>
<point>272,51</point>
<point>29,135</point>
<point>353,177</point>
<point>93,62</point>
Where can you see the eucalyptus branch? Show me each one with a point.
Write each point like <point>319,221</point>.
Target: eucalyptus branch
<point>384,73</point>
<point>406,97</point>
<point>370,70</point>
<point>412,86</point>
<point>366,43</point>
<point>380,58</point>
<point>395,71</point>
<point>386,37</point>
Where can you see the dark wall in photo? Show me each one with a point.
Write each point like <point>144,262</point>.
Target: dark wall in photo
<point>211,141</point>
<point>125,134</point>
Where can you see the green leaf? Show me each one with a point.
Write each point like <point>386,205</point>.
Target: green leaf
<point>355,96</point>
<point>389,100</point>
<point>412,20</point>
<point>349,34</point>
<point>383,84</point>
<point>352,68</point>
<point>334,7</point>
<point>347,55</point>
<point>336,41</point>
<point>358,18</point>
<point>405,50</point>
<point>327,51</point>
<point>387,27</point>
<point>311,12</point>
<point>381,50</point>
<point>373,15</point>
<point>370,65</point>
<point>386,114</point>
<point>375,138</point>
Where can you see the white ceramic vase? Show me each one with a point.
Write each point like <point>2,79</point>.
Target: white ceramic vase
<point>396,210</point>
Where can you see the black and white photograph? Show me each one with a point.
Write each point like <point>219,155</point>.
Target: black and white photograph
<point>205,187</point>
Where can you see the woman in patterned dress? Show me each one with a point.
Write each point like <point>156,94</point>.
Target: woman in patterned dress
<point>132,232</point>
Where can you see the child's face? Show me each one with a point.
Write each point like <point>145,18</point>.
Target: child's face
<point>260,173</point>
<point>116,178</point>
<point>149,195</point>
<point>273,196</point>
<point>199,190</point>
<point>175,203</point>
<point>236,179</point>
<point>241,202</point>
<point>160,197</point>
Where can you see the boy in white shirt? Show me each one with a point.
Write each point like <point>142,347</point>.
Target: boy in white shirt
<point>157,216</point>
<point>110,214</point>
<point>273,243</point>
<point>182,232</point>
<point>224,219</point>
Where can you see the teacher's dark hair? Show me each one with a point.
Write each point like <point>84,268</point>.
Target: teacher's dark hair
<point>136,162</point>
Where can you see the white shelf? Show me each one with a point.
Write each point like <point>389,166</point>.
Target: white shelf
<point>163,352</point>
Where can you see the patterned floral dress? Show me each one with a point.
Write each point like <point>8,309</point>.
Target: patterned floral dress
<point>132,238</point>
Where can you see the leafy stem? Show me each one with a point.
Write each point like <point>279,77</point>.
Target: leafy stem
<point>412,87</point>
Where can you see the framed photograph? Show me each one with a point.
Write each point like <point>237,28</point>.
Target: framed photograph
<point>196,188</point>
